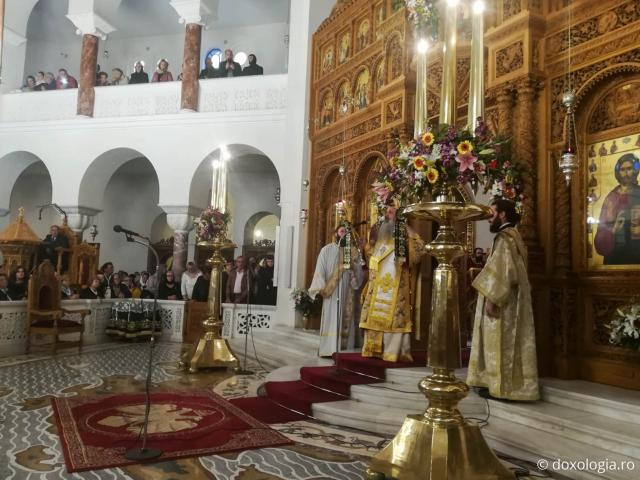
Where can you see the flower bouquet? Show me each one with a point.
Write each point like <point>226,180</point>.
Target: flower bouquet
<point>423,15</point>
<point>303,303</point>
<point>625,327</point>
<point>212,224</point>
<point>445,156</point>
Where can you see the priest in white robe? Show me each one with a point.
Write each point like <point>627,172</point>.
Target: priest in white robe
<point>338,286</point>
<point>503,348</point>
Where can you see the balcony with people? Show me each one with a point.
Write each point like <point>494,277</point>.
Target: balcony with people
<point>158,57</point>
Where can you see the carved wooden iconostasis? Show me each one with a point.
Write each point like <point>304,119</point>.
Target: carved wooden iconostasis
<point>363,53</point>
<point>575,292</point>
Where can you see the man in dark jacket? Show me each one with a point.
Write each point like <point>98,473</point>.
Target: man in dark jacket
<point>208,71</point>
<point>52,243</point>
<point>253,68</point>
<point>229,67</point>
<point>239,283</point>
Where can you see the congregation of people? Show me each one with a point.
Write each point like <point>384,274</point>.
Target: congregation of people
<point>227,67</point>
<point>242,281</point>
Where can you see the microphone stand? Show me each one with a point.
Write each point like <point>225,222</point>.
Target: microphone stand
<point>243,370</point>
<point>144,453</point>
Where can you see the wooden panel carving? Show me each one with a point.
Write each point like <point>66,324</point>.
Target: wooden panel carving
<point>510,59</point>
<point>594,27</point>
<point>617,109</point>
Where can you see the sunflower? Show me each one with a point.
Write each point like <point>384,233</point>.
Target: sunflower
<point>465,147</point>
<point>428,138</point>
<point>432,175</point>
<point>419,163</point>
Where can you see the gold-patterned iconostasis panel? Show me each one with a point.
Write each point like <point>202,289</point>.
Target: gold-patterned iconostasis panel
<point>360,93</point>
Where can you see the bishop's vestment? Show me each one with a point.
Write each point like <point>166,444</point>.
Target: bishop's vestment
<point>387,311</point>
<point>503,349</point>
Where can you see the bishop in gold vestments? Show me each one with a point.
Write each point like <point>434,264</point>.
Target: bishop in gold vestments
<point>388,306</point>
<point>503,349</point>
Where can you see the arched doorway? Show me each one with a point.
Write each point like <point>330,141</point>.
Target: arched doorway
<point>253,189</point>
<point>123,184</point>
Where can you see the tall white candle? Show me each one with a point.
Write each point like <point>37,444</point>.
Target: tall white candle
<point>448,96</point>
<point>476,80</point>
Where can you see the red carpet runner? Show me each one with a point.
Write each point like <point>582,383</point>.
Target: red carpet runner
<point>95,431</point>
<point>321,384</point>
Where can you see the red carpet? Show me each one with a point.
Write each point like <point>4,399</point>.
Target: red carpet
<point>322,384</point>
<point>96,431</point>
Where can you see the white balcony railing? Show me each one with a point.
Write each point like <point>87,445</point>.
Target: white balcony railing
<point>36,106</point>
<point>242,94</point>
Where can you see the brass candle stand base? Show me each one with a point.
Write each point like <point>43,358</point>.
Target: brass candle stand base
<point>440,444</point>
<point>212,350</point>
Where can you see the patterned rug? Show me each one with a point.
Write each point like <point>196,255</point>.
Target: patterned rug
<point>96,431</point>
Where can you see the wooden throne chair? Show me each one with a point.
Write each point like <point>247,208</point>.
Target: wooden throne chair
<point>45,315</point>
<point>79,261</point>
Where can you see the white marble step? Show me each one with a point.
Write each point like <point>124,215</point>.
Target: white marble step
<point>361,415</point>
<point>281,346</point>
<point>572,423</point>
<point>605,400</point>
<point>397,396</point>
<point>520,441</point>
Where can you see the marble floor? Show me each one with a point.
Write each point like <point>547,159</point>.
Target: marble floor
<point>31,450</point>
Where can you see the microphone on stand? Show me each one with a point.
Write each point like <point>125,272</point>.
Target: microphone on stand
<point>119,229</point>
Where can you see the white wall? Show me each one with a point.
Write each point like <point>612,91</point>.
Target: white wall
<point>130,200</point>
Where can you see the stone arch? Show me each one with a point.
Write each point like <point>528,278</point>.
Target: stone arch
<point>29,186</point>
<point>13,165</point>
<point>251,224</point>
<point>253,185</point>
<point>99,172</point>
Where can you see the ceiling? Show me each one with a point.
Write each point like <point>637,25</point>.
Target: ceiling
<point>142,18</point>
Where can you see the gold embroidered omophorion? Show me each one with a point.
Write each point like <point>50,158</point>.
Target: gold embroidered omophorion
<point>387,311</point>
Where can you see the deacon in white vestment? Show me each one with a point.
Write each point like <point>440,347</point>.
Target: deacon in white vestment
<point>334,282</point>
<point>503,348</point>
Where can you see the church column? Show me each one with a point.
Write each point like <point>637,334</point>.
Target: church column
<point>192,13</point>
<point>180,219</point>
<point>190,84</point>
<point>92,27</point>
<point>524,147</point>
<point>87,80</point>
<point>504,101</point>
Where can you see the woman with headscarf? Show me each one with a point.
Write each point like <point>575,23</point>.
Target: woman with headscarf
<point>162,73</point>
<point>139,75</point>
<point>253,68</point>
<point>18,283</point>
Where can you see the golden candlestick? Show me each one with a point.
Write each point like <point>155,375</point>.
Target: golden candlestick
<point>448,91</point>
<point>212,350</point>
<point>440,444</point>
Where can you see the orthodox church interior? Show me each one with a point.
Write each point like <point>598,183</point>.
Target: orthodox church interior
<point>215,157</point>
